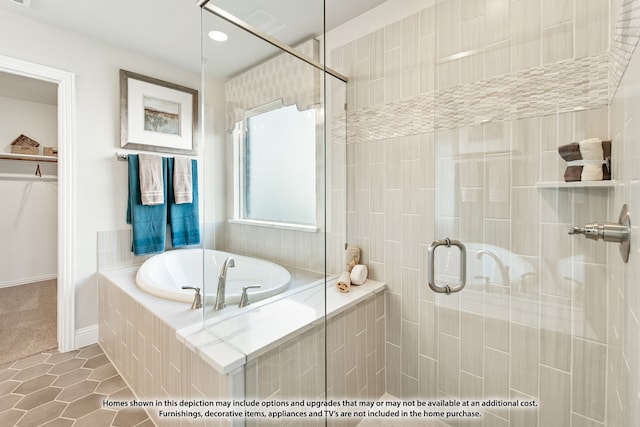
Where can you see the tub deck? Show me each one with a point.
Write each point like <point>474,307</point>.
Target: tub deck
<point>232,337</point>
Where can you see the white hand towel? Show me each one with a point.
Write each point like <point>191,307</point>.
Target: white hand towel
<point>182,180</point>
<point>591,149</point>
<point>359,274</point>
<point>151,179</point>
<point>344,282</point>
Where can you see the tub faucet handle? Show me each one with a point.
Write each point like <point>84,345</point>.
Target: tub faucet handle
<point>244,298</point>
<point>197,299</point>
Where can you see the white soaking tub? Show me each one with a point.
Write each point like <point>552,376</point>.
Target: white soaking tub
<point>165,274</point>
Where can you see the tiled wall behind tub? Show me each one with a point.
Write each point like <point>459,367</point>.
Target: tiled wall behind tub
<point>438,147</point>
<point>114,250</point>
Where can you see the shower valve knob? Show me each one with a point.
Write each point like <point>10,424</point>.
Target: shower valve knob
<point>609,232</point>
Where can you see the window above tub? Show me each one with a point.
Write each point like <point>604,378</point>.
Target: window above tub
<point>275,167</point>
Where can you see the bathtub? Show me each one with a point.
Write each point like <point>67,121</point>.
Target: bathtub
<point>164,275</point>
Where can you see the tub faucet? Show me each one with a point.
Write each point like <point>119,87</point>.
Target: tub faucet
<point>222,283</point>
<point>504,270</point>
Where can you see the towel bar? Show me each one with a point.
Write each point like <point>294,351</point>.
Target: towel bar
<point>124,156</point>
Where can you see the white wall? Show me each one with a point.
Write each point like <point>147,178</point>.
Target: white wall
<point>28,219</point>
<point>101,192</point>
<point>34,119</point>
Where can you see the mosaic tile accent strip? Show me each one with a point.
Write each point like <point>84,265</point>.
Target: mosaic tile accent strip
<point>65,389</point>
<point>556,88</point>
<point>624,41</point>
<point>283,77</point>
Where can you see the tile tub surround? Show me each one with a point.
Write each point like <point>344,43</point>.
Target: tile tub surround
<point>138,332</point>
<point>65,389</point>
<point>144,349</point>
<point>268,324</point>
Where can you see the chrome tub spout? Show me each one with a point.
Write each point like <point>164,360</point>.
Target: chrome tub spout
<point>222,283</point>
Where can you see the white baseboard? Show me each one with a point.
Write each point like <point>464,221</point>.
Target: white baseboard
<point>28,280</point>
<point>86,336</point>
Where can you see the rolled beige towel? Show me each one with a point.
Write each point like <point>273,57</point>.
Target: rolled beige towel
<point>352,257</point>
<point>344,282</point>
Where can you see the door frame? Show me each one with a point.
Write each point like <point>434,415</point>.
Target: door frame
<point>66,212</point>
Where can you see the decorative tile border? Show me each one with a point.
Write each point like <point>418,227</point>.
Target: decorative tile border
<point>586,82</point>
<point>556,88</point>
<point>283,77</point>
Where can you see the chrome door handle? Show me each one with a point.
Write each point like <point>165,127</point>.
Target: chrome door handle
<point>446,289</point>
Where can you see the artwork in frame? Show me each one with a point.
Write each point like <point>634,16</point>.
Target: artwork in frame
<point>156,115</point>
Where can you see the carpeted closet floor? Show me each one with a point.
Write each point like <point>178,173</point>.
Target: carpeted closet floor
<point>28,315</point>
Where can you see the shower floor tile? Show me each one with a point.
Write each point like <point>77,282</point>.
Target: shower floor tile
<point>65,389</point>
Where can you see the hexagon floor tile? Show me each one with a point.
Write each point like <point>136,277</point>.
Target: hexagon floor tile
<point>65,389</point>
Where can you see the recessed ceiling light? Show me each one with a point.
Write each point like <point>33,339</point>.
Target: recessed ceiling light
<point>218,36</point>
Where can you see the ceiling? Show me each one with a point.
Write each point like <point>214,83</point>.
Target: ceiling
<point>169,30</point>
<point>27,89</point>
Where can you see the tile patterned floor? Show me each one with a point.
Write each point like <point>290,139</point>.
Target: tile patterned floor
<point>55,389</point>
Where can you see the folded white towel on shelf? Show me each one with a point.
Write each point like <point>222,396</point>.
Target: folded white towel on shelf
<point>182,180</point>
<point>591,149</point>
<point>359,274</point>
<point>151,179</point>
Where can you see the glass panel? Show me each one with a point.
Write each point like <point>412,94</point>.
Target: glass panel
<point>456,112</point>
<point>528,320</point>
<point>274,347</point>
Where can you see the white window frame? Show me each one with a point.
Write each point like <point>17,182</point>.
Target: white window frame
<point>239,177</point>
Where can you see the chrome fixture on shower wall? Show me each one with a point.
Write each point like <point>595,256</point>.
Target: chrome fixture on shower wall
<point>610,232</point>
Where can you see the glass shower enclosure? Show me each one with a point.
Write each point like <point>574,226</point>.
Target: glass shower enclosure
<point>446,131</point>
<point>274,156</point>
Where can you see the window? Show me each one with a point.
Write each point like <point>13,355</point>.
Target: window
<point>276,166</point>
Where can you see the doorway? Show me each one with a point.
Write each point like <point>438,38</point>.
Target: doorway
<point>65,212</point>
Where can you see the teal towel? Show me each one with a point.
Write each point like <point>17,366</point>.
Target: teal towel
<point>184,218</point>
<point>148,223</point>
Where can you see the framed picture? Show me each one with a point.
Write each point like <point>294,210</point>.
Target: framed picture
<point>156,115</point>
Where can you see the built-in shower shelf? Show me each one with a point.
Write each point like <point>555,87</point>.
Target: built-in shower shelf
<point>576,184</point>
<point>27,157</point>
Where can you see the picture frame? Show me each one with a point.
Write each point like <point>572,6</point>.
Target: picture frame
<point>156,115</point>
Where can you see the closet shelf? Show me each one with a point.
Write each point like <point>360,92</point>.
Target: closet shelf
<point>28,157</point>
<point>577,184</point>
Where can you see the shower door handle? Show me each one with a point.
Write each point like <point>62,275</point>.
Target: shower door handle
<point>446,289</point>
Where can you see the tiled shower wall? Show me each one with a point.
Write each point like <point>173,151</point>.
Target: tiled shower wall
<point>623,292</point>
<point>441,145</point>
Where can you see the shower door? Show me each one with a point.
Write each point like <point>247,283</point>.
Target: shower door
<point>525,339</point>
